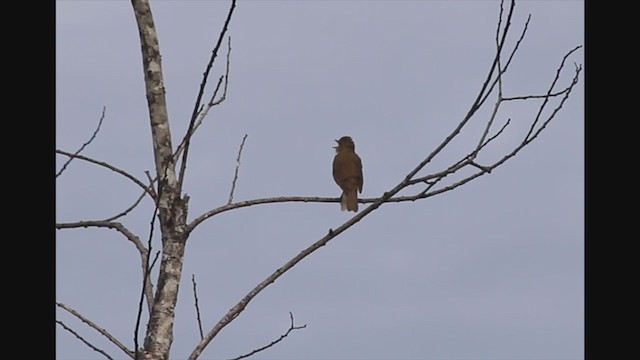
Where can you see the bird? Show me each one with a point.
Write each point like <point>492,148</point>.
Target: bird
<point>347,172</point>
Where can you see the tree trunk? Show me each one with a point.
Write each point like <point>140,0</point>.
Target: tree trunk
<point>172,209</point>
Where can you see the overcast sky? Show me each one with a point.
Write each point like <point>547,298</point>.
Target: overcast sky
<point>491,270</point>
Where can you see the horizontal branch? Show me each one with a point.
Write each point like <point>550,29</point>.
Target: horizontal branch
<point>241,204</point>
<point>282,199</point>
<point>109,225</point>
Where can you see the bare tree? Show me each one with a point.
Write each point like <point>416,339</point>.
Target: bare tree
<point>165,187</point>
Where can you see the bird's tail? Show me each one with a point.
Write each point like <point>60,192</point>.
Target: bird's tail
<point>349,201</point>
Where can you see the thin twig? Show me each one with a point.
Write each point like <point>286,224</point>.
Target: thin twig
<point>112,168</point>
<point>95,133</point>
<point>226,79</point>
<point>102,331</point>
<point>235,176</point>
<point>195,297</point>
<point>511,56</point>
<point>486,89</point>
<point>499,101</point>
<point>84,340</point>
<point>291,328</point>
<point>149,296</point>
<point>526,97</point>
<point>204,110</point>
<point>145,278</point>
<point>133,206</point>
<point>553,84</point>
<point>483,168</point>
<point>196,107</point>
<point>127,210</point>
<point>472,110</point>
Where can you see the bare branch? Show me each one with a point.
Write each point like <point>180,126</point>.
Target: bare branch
<point>434,178</point>
<point>133,206</point>
<point>93,347</point>
<point>203,84</point>
<point>127,210</point>
<point>112,168</point>
<point>526,97</point>
<point>204,110</point>
<point>243,204</point>
<point>105,224</point>
<point>291,328</point>
<point>195,297</point>
<point>235,176</point>
<point>499,101</point>
<point>511,56</point>
<point>515,48</point>
<point>226,79</point>
<point>483,93</point>
<point>476,104</point>
<point>102,331</point>
<point>553,84</point>
<point>95,133</point>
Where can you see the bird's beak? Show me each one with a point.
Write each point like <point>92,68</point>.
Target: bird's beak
<point>336,141</point>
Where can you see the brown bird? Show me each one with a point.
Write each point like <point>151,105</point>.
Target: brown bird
<point>347,172</point>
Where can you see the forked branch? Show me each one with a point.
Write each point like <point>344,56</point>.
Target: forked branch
<point>494,79</point>
<point>203,84</point>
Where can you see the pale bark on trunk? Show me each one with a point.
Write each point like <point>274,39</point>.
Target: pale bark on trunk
<point>172,209</point>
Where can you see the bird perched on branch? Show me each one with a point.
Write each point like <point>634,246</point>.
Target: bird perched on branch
<point>347,172</point>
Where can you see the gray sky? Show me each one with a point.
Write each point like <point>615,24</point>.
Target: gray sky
<point>492,270</point>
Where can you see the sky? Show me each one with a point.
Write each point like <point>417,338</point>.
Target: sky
<point>491,270</point>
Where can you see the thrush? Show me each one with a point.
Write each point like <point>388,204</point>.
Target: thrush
<point>347,172</point>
